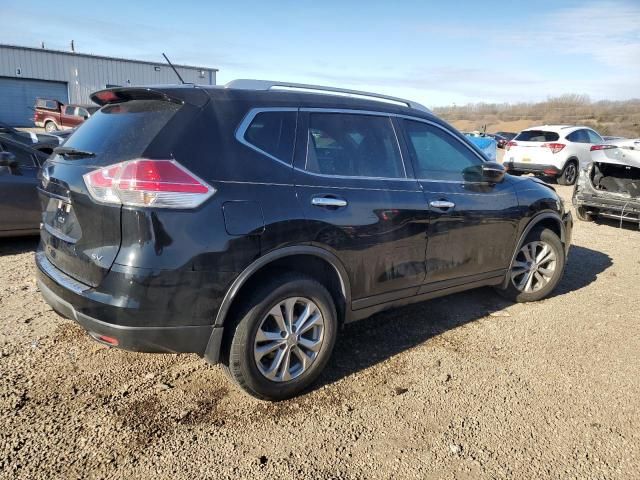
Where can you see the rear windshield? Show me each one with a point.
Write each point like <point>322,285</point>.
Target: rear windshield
<point>537,136</point>
<point>122,131</point>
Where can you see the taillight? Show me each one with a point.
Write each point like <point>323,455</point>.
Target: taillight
<point>510,144</point>
<point>602,147</point>
<point>107,96</point>
<point>148,183</point>
<point>554,147</point>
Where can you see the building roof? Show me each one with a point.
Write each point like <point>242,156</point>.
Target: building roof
<point>102,57</point>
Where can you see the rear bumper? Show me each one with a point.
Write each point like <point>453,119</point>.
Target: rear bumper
<point>532,168</point>
<point>80,303</point>
<point>609,206</point>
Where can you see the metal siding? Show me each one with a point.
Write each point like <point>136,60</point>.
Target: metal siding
<point>18,95</point>
<point>94,73</point>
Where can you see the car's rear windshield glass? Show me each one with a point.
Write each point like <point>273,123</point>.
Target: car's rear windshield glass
<point>537,136</point>
<point>122,131</point>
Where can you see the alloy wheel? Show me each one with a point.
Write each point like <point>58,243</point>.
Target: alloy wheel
<point>534,266</point>
<point>570,173</point>
<point>288,339</point>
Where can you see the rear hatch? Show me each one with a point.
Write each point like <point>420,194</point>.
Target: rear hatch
<point>80,236</point>
<point>532,146</point>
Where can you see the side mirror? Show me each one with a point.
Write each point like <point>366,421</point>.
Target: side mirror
<point>8,159</point>
<point>487,172</point>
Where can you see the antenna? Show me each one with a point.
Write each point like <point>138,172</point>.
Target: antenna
<point>174,68</point>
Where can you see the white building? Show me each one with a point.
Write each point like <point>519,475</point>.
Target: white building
<point>27,73</point>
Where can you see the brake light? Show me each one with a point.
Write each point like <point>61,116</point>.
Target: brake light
<point>107,96</point>
<point>510,144</point>
<point>602,147</point>
<point>148,183</point>
<point>554,147</point>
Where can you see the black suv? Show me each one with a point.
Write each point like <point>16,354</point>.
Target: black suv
<point>246,223</point>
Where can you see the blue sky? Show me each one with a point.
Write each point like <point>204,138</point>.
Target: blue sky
<point>435,52</point>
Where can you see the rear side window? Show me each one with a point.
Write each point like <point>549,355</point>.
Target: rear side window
<point>437,154</point>
<point>353,145</point>
<point>122,131</point>
<point>537,136</point>
<point>273,133</point>
<point>579,136</point>
<point>68,110</point>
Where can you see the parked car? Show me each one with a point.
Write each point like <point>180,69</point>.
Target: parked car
<point>63,135</point>
<point>610,186</point>
<point>246,223</point>
<point>53,115</point>
<point>558,151</point>
<point>502,138</point>
<point>19,204</point>
<point>507,135</point>
<point>38,140</point>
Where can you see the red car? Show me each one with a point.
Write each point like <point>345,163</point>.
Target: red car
<point>54,115</point>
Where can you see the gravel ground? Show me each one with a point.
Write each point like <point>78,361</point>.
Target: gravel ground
<point>467,386</point>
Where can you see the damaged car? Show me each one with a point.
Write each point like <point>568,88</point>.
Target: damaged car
<point>610,185</point>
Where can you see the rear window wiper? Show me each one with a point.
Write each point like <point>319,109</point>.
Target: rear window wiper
<point>72,152</point>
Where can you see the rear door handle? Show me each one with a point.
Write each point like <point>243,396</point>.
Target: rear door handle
<point>442,204</point>
<point>328,202</point>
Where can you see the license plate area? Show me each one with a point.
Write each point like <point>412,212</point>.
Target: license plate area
<point>59,219</point>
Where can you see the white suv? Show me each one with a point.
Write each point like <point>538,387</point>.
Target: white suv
<point>554,150</point>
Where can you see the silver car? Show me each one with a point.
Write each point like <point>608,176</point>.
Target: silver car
<point>610,185</point>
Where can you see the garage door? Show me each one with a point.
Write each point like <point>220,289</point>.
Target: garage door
<point>17,96</point>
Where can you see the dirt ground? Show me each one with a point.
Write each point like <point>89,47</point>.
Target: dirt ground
<point>467,387</point>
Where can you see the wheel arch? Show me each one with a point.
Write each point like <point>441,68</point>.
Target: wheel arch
<point>551,220</point>
<point>307,259</point>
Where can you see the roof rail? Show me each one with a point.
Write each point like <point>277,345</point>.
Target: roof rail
<point>247,84</point>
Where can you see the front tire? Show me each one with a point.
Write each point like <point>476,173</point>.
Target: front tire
<point>569,173</point>
<point>537,267</point>
<point>282,338</point>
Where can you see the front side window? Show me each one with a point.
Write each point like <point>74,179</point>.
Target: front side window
<point>437,154</point>
<point>353,145</point>
<point>273,133</point>
<point>594,137</point>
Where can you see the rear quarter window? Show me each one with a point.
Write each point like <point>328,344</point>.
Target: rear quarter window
<point>273,133</point>
<point>537,136</point>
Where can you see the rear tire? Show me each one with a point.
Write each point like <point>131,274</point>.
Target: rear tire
<point>569,173</point>
<point>537,267</point>
<point>583,215</point>
<point>295,356</point>
<point>50,127</point>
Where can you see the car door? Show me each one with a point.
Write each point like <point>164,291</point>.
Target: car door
<point>581,145</point>
<point>361,202</point>
<point>18,190</point>
<point>472,225</point>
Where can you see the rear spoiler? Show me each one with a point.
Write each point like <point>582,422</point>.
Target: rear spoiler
<point>181,95</point>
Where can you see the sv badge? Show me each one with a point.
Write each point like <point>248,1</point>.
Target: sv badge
<point>96,257</point>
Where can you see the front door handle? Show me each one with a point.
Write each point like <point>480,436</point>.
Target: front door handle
<point>328,202</point>
<point>442,204</point>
